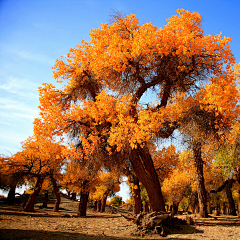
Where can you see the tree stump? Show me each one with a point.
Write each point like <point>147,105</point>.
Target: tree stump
<point>155,223</point>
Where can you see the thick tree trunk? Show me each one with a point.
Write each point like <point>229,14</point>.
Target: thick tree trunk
<point>202,199</point>
<point>136,197</point>
<point>95,206</point>
<point>74,196</point>
<point>82,211</point>
<point>175,208</point>
<point>103,203</point>
<point>231,204</point>
<point>11,195</point>
<point>57,194</point>
<point>239,202</point>
<point>145,207</point>
<point>99,205</point>
<point>143,167</point>
<point>194,201</point>
<point>29,207</point>
<point>45,200</point>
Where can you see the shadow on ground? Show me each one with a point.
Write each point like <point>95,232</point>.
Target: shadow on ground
<point>10,234</point>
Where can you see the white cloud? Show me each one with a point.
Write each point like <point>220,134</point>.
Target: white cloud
<point>20,87</point>
<point>28,116</point>
<point>27,55</point>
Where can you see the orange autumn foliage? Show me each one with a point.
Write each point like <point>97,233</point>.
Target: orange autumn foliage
<point>105,79</point>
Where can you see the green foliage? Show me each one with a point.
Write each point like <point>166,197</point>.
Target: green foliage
<point>117,201</point>
<point>227,159</point>
<point>144,195</point>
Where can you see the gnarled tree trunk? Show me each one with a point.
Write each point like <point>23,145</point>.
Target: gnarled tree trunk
<point>82,211</point>
<point>103,203</point>
<point>57,194</point>
<point>136,197</point>
<point>29,207</point>
<point>231,203</point>
<point>198,162</point>
<point>143,167</point>
<point>99,205</point>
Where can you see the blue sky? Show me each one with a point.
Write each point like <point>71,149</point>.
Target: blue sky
<point>35,33</point>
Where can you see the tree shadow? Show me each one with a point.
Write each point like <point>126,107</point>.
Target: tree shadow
<point>37,234</point>
<point>222,220</point>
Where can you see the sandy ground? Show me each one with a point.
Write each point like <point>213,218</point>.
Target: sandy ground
<point>45,224</point>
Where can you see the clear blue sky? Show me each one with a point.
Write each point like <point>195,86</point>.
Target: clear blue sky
<point>34,33</point>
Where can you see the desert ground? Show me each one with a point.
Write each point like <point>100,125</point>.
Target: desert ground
<point>46,224</point>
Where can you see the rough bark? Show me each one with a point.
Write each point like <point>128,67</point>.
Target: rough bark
<point>231,204</point>
<point>45,200</point>
<point>82,211</point>
<point>175,208</point>
<point>57,194</point>
<point>11,195</point>
<point>95,206</point>
<point>202,199</point>
<point>156,223</point>
<point>143,167</point>
<point>29,207</point>
<point>99,205</point>
<point>194,201</point>
<point>103,203</point>
<point>145,207</point>
<point>136,198</point>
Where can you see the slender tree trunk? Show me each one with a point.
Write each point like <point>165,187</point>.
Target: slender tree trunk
<point>143,167</point>
<point>103,203</point>
<point>231,203</point>
<point>57,194</point>
<point>29,207</point>
<point>11,195</point>
<point>136,197</point>
<point>45,200</point>
<point>82,211</point>
<point>202,199</point>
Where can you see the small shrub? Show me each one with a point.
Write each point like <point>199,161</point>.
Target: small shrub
<point>117,201</point>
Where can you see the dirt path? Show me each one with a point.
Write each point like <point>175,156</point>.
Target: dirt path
<point>45,224</point>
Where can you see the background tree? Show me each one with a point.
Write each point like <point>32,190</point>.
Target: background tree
<point>43,159</point>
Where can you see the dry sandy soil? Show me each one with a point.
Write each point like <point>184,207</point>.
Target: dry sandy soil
<point>45,224</point>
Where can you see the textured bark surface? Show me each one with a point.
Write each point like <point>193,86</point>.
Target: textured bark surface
<point>29,207</point>
<point>136,198</point>
<point>200,179</point>
<point>143,167</point>
<point>103,203</point>
<point>231,203</point>
<point>99,205</point>
<point>82,211</point>
<point>57,194</point>
<point>155,223</point>
<point>45,200</point>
